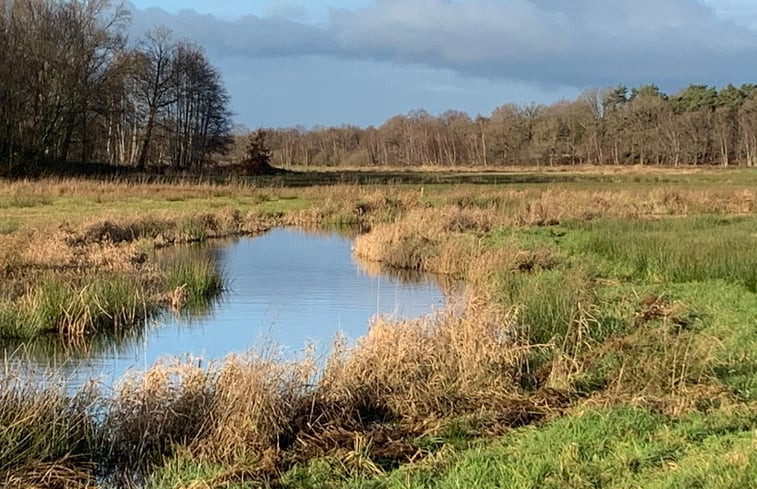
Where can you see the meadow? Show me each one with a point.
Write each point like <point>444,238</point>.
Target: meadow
<point>607,337</point>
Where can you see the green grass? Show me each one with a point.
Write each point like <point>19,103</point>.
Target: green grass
<point>105,304</point>
<point>667,250</point>
<point>199,277</point>
<point>725,317</point>
<point>276,207</point>
<point>112,303</point>
<point>9,226</point>
<point>702,270</point>
<point>601,448</point>
<point>182,471</point>
<point>549,301</point>
<point>190,231</point>
<point>23,200</point>
<point>674,249</point>
<point>17,321</point>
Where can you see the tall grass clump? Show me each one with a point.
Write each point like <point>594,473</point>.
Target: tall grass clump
<point>107,304</point>
<point>17,321</point>
<point>678,250</point>
<point>153,413</point>
<point>183,471</point>
<point>193,281</point>
<point>47,436</point>
<point>549,300</point>
<point>434,240</point>
<point>258,400</point>
<point>64,307</point>
<point>449,363</point>
<point>221,413</point>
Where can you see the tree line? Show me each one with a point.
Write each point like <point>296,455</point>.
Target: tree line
<point>74,89</point>
<point>700,125</point>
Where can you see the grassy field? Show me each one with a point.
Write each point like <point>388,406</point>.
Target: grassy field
<point>608,337</point>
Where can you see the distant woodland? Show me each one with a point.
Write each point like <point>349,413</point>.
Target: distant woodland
<point>699,125</point>
<point>74,89</point>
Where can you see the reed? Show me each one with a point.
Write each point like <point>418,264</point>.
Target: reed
<point>457,360</point>
<point>107,304</point>
<point>192,282</point>
<point>154,412</point>
<point>47,436</point>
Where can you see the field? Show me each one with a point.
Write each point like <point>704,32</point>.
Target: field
<point>607,337</point>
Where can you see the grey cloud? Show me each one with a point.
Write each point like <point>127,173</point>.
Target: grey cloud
<point>548,42</point>
<point>553,41</point>
<point>273,36</point>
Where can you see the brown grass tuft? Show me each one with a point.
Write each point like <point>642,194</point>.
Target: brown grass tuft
<point>460,359</point>
<point>151,413</point>
<point>257,398</point>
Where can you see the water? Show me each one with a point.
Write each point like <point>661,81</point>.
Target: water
<point>288,287</point>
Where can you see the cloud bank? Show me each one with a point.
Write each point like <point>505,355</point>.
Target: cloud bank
<point>548,42</point>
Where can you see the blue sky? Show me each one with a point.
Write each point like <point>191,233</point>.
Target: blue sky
<point>328,62</point>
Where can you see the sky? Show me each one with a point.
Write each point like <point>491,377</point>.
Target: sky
<point>331,62</point>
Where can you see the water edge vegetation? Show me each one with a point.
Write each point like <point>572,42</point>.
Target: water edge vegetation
<point>609,337</point>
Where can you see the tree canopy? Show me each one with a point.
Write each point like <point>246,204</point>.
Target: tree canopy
<point>73,89</point>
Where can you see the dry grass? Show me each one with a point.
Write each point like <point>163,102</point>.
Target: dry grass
<point>254,409</point>
<point>46,436</point>
<point>448,241</point>
<point>153,412</point>
<point>461,359</point>
<point>51,476</point>
<point>258,399</point>
<point>457,361</point>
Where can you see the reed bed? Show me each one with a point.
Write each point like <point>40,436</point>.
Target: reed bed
<point>75,307</point>
<point>453,362</point>
<point>47,437</point>
<point>238,410</point>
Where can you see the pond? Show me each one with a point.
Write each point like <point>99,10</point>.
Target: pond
<point>287,288</point>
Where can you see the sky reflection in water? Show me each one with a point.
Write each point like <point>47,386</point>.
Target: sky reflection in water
<point>287,287</point>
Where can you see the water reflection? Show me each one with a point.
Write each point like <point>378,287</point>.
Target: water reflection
<point>290,287</point>
<point>407,276</point>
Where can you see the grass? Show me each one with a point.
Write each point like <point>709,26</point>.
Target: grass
<point>111,304</point>
<point>183,472</point>
<point>98,277</point>
<point>608,339</point>
<point>46,436</point>
<point>612,448</point>
<point>676,250</point>
<point>193,282</point>
<point>8,226</point>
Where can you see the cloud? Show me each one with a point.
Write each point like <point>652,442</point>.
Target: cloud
<point>552,41</point>
<point>270,36</point>
<point>546,42</point>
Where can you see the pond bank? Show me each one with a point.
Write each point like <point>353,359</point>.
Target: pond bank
<point>589,322</point>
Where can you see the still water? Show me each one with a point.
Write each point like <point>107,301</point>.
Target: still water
<point>288,287</point>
